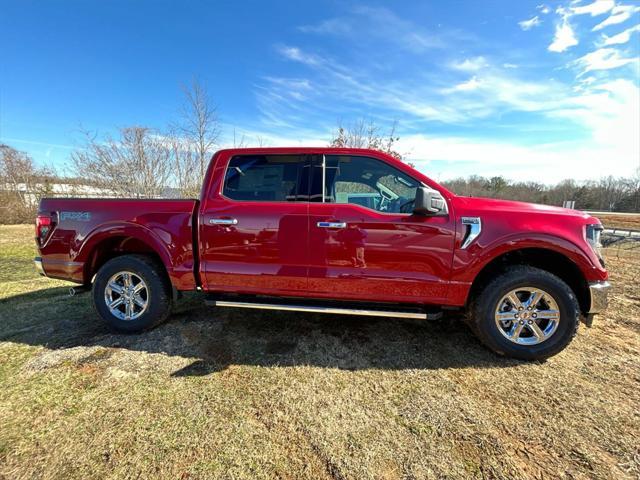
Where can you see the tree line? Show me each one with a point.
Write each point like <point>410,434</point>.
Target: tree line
<point>614,194</point>
<point>142,162</point>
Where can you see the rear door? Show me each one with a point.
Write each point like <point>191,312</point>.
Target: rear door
<point>364,241</point>
<point>254,228</point>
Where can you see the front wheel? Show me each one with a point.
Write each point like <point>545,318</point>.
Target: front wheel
<point>131,293</point>
<point>525,313</point>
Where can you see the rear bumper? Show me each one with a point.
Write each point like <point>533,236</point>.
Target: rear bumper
<point>39,268</point>
<point>599,292</point>
<point>60,269</point>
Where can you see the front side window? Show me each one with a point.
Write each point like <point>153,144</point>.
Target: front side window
<point>266,178</point>
<point>365,181</point>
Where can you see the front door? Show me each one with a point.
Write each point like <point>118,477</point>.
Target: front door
<point>364,241</point>
<point>254,230</point>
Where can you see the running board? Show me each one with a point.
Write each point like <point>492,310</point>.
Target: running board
<point>333,310</point>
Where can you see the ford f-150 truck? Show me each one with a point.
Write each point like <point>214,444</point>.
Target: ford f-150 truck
<point>339,231</point>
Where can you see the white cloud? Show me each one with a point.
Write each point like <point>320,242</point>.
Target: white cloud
<point>544,9</point>
<point>367,23</point>
<point>620,38</point>
<point>564,37</point>
<point>529,24</point>
<point>297,55</point>
<point>253,138</point>
<point>291,83</point>
<point>610,117</point>
<point>602,59</point>
<point>34,142</point>
<point>584,83</point>
<point>546,163</point>
<point>598,7</point>
<point>597,115</point>
<point>609,111</point>
<point>382,22</point>
<point>619,14</point>
<point>471,64</point>
<point>338,89</point>
<point>472,84</point>
<point>333,26</point>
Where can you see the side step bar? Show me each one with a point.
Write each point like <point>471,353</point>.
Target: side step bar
<point>334,310</point>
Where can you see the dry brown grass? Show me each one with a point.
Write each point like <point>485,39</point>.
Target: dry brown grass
<point>237,394</point>
<point>620,221</point>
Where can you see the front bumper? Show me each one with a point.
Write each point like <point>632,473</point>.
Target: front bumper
<point>39,268</point>
<point>599,292</point>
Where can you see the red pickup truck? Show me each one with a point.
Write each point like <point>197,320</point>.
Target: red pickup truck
<point>342,231</point>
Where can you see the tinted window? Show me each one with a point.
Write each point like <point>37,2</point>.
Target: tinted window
<point>267,178</point>
<point>367,182</point>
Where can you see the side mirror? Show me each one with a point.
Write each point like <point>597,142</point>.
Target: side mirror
<point>429,202</point>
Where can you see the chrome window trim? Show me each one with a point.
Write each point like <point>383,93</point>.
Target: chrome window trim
<point>309,162</point>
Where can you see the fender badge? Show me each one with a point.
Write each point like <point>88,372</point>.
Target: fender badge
<point>75,216</point>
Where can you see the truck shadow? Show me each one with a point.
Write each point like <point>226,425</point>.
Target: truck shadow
<point>215,338</point>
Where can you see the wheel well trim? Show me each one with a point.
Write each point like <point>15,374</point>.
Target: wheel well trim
<point>581,290</point>
<point>514,243</point>
<point>105,232</point>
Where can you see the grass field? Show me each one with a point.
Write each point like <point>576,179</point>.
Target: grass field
<point>631,222</point>
<point>238,394</point>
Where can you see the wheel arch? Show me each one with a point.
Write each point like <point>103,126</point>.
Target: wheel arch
<point>111,242</point>
<point>546,259</point>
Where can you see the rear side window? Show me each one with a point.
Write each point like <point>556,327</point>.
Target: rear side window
<point>266,178</point>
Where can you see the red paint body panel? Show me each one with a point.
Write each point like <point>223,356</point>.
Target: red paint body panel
<point>379,256</point>
<point>276,248</point>
<point>163,225</point>
<point>266,252</point>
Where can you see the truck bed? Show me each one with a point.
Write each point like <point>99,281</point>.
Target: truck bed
<point>84,229</point>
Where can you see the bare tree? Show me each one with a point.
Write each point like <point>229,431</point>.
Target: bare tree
<point>137,164</point>
<point>22,185</point>
<point>366,134</point>
<point>186,172</point>
<point>239,141</point>
<point>633,186</point>
<point>261,141</point>
<point>200,124</point>
<point>611,192</point>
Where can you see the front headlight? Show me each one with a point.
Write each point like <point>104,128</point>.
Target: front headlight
<point>592,234</point>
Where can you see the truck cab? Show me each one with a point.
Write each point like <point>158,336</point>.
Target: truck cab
<point>342,231</point>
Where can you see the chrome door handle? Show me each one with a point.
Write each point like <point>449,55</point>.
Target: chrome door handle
<point>223,221</point>
<point>332,225</point>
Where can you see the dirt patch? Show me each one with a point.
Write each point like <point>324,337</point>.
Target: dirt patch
<point>77,356</point>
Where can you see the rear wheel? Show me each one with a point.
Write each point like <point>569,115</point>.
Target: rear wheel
<point>525,313</point>
<point>131,293</point>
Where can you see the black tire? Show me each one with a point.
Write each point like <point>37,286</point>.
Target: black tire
<point>481,313</point>
<point>158,292</point>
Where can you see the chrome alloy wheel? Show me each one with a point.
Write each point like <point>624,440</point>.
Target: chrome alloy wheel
<point>527,316</point>
<point>126,296</point>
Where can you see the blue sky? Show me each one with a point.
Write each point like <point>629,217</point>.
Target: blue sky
<point>529,90</point>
